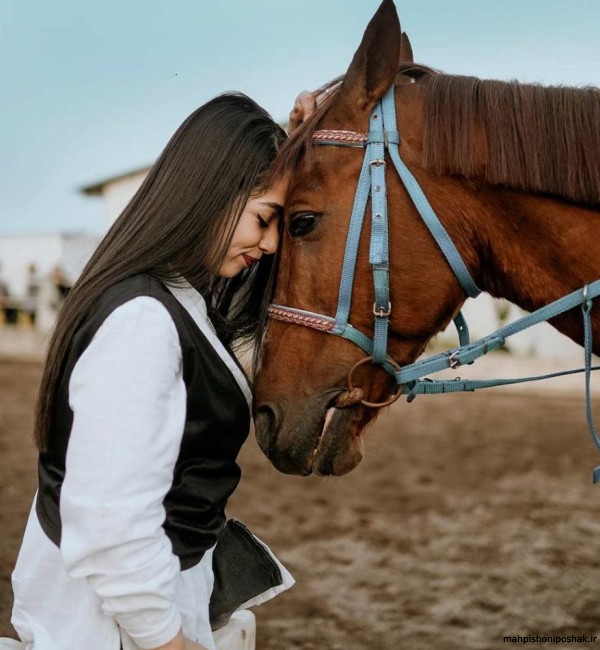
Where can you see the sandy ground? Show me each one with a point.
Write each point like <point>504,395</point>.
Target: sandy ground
<point>472,517</point>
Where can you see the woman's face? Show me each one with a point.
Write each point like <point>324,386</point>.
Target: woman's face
<point>256,233</point>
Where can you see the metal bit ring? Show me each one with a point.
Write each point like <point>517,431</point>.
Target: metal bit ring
<point>391,400</point>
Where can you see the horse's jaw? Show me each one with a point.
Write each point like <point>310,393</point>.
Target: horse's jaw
<point>315,438</point>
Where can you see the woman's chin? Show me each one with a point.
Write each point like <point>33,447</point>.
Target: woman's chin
<point>231,269</point>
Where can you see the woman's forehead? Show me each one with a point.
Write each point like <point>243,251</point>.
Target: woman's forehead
<point>273,196</point>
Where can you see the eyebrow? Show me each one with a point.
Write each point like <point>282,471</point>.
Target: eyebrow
<point>274,206</point>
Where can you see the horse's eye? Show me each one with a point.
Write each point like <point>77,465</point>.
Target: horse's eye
<point>302,223</point>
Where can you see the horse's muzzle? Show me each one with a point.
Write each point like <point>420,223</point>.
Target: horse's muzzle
<point>314,438</point>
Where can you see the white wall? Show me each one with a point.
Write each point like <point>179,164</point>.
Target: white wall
<point>118,193</point>
<point>69,251</point>
<point>482,316</point>
<point>17,252</point>
<point>76,251</point>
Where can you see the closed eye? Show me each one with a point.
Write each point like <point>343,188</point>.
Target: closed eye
<point>261,222</point>
<point>302,223</point>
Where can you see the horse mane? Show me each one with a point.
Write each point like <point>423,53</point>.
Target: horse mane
<point>540,139</point>
<point>534,138</point>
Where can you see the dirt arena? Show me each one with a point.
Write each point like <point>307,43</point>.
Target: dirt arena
<point>472,517</point>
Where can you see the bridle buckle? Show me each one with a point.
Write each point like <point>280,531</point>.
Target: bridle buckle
<point>381,312</point>
<point>453,361</point>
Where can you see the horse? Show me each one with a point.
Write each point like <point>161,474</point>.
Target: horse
<point>512,172</point>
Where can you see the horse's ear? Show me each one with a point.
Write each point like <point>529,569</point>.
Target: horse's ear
<point>375,63</point>
<point>406,52</point>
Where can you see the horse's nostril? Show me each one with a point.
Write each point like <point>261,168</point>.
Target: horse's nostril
<point>265,417</point>
<point>265,423</point>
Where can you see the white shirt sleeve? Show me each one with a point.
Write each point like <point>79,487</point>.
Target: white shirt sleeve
<point>129,403</point>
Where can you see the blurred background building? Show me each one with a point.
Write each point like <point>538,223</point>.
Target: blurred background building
<point>36,272</point>
<point>116,191</point>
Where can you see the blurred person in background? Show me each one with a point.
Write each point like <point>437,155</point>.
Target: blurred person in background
<point>3,297</point>
<point>32,293</point>
<point>61,285</point>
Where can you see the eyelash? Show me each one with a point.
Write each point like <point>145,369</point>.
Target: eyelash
<point>261,222</point>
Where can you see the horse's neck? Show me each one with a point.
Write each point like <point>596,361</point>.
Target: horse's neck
<point>536,250</point>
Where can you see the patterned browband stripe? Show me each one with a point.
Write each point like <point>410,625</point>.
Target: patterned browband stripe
<point>343,138</point>
<point>314,322</point>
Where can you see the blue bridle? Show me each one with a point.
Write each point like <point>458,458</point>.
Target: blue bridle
<point>383,135</point>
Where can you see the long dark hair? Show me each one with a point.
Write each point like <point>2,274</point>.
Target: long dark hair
<point>180,223</point>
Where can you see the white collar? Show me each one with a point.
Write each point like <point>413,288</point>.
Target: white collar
<point>193,302</point>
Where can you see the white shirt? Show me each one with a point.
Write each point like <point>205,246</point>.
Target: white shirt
<point>115,577</point>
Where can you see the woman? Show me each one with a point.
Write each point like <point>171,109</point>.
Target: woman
<point>142,408</point>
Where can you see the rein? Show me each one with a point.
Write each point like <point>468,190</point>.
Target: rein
<point>411,380</point>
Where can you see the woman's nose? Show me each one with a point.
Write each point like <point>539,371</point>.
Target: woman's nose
<point>268,244</point>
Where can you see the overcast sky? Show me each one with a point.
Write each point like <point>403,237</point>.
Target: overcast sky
<point>93,89</point>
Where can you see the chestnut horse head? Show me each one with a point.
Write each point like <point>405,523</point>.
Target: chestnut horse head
<point>485,155</point>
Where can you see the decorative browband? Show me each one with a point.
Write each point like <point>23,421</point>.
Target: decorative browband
<point>288,316</point>
<point>343,138</point>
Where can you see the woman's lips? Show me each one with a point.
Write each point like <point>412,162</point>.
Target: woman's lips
<point>249,260</point>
